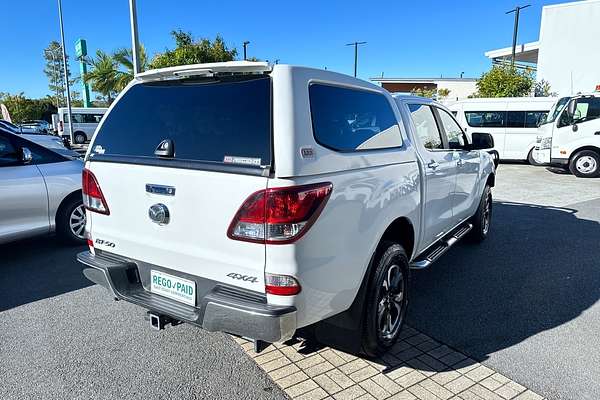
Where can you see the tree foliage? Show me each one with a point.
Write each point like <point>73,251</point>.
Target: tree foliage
<point>190,51</point>
<point>542,89</point>
<point>504,81</point>
<point>110,73</point>
<point>430,93</point>
<point>55,72</point>
<point>22,108</point>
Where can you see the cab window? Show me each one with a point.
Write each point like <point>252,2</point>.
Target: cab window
<point>587,109</point>
<point>425,126</point>
<point>453,131</point>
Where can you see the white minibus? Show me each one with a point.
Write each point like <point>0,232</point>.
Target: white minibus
<point>85,121</point>
<point>512,121</point>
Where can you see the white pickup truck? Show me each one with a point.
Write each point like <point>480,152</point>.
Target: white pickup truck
<point>258,199</point>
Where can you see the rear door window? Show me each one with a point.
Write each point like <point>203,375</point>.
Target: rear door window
<point>225,120</point>
<point>346,119</point>
<point>426,127</point>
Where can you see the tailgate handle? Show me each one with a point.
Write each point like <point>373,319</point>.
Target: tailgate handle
<point>160,189</point>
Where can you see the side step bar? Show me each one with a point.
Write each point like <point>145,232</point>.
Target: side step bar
<point>441,247</point>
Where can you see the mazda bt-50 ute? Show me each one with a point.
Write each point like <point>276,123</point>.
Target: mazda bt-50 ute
<point>258,199</point>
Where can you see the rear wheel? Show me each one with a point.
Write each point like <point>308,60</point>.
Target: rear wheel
<point>80,138</point>
<point>70,221</point>
<point>483,217</point>
<point>386,301</point>
<point>585,164</point>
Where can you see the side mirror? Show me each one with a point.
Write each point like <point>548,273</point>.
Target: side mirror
<point>572,107</point>
<point>26,155</point>
<point>481,141</point>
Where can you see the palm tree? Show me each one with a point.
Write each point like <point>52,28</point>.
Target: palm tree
<point>123,57</point>
<point>111,73</point>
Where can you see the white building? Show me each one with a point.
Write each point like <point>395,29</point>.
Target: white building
<point>567,54</point>
<point>460,88</point>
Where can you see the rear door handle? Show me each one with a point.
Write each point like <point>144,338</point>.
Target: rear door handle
<point>432,164</point>
<point>460,163</point>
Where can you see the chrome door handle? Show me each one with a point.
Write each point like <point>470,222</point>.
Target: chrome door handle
<point>433,165</point>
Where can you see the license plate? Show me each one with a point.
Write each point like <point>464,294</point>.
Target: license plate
<point>173,287</point>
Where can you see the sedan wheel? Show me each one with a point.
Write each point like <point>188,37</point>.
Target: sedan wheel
<point>77,221</point>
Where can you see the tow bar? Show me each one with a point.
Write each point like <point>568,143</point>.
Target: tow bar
<point>159,321</point>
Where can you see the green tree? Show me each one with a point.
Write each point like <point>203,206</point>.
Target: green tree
<point>422,92</point>
<point>22,108</point>
<point>55,72</point>
<point>542,89</point>
<point>504,81</point>
<point>190,51</point>
<point>110,73</point>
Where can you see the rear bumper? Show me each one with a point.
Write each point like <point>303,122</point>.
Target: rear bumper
<point>218,308</point>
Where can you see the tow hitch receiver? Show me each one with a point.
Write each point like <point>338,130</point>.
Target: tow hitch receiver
<point>159,321</point>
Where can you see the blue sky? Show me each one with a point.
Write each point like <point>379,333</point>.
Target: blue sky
<point>405,39</point>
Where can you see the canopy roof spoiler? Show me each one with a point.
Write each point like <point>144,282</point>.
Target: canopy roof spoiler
<point>209,69</point>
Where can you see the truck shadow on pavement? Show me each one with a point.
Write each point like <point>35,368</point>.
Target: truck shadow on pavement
<point>537,270</point>
<point>36,269</point>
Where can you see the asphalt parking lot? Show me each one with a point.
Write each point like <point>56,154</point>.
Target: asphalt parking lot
<point>525,303</point>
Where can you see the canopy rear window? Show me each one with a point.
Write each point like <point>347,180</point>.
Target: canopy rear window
<point>209,120</point>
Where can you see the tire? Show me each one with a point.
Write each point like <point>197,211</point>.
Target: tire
<point>482,219</point>
<point>585,164</point>
<point>531,160</point>
<point>385,309</point>
<point>70,221</point>
<point>80,138</point>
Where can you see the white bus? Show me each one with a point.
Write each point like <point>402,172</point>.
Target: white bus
<point>512,121</point>
<point>85,121</point>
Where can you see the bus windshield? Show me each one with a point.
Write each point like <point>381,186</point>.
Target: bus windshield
<point>555,110</point>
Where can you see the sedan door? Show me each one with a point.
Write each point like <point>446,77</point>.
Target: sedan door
<point>465,198</point>
<point>23,196</point>
<point>440,174</point>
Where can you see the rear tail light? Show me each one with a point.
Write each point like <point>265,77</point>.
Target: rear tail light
<point>281,285</point>
<point>279,215</point>
<point>93,199</point>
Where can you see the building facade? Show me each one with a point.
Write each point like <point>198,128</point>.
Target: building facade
<point>567,54</point>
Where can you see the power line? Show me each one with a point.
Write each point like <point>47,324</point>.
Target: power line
<point>355,44</point>
<point>515,10</point>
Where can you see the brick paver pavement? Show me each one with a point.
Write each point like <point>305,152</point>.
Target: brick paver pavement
<point>418,367</point>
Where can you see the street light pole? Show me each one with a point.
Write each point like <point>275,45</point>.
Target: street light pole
<point>135,42</point>
<point>355,44</point>
<point>245,44</point>
<point>66,71</point>
<point>516,10</point>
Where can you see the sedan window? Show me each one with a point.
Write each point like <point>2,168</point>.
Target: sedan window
<point>8,154</point>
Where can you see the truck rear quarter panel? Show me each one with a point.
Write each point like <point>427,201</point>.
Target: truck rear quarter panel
<point>370,190</point>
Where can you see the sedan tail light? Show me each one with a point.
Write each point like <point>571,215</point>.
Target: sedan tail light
<point>279,215</point>
<point>93,199</point>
